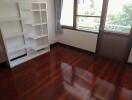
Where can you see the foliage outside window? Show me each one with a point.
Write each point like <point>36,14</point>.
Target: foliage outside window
<point>119,16</point>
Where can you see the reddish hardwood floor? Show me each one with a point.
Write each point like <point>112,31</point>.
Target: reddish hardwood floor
<point>67,73</point>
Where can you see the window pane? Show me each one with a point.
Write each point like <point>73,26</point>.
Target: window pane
<point>67,13</point>
<point>88,23</point>
<point>119,16</point>
<point>89,7</point>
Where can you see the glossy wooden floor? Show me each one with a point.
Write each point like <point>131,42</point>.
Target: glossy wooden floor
<point>67,74</point>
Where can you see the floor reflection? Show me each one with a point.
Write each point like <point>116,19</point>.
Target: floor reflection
<point>125,94</point>
<point>104,90</point>
<point>82,84</point>
<point>72,84</point>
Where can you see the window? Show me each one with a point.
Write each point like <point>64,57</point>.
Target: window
<point>67,13</point>
<point>119,16</point>
<point>89,15</point>
<point>86,15</point>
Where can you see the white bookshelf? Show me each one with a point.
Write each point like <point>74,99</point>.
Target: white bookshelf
<point>35,25</point>
<point>24,29</point>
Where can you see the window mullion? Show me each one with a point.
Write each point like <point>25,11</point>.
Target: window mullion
<point>103,15</point>
<point>74,14</point>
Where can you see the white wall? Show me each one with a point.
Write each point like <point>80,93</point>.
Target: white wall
<point>51,22</point>
<point>83,40</point>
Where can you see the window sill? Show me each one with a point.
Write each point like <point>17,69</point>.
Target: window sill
<point>68,27</point>
<point>87,31</point>
<point>107,32</point>
<point>71,28</point>
<point>116,33</point>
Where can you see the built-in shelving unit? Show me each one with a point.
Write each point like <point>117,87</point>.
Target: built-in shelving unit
<point>24,29</point>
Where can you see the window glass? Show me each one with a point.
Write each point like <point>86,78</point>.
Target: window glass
<point>88,23</point>
<point>89,7</point>
<point>119,16</point>
<point>67,13</point>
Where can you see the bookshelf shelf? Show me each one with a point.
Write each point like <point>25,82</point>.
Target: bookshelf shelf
<point>15,49</point>
<point>40,47</point>
<point>38,36</point>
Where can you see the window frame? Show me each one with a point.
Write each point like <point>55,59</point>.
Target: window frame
<point>75,19</point>
<point>102,20</point>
